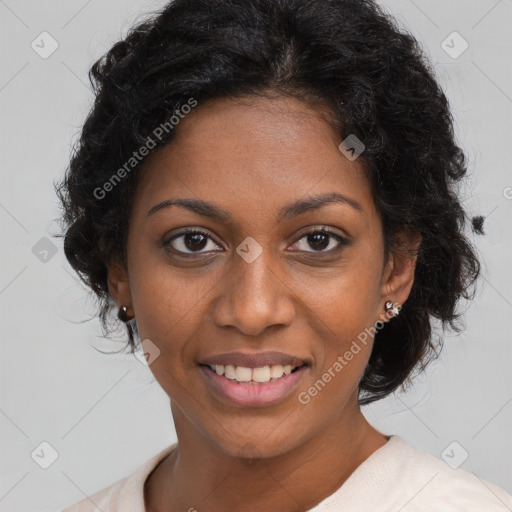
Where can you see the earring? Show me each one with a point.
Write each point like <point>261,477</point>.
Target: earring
<point>122,314</point>
<point>394,307</point>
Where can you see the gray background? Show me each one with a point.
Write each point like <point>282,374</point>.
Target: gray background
<point>105,415</point>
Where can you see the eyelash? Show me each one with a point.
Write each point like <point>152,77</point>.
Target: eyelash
<point>342,241</point>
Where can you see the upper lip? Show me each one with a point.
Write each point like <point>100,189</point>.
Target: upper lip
<point>253,360</point>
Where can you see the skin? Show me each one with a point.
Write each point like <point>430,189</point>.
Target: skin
<point>251,158</point>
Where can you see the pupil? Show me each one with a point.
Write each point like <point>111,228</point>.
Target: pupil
<point>316,239</point>
<point>197,241</point>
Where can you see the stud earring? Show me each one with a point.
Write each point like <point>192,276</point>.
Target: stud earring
<point>122,314</point>
<point>394,307</point>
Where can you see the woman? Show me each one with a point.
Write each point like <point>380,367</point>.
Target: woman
<point>266,191</point>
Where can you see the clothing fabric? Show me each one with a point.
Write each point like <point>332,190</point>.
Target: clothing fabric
<point>395,478</point>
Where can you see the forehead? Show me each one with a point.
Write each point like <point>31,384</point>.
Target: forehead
<point>252,153</point>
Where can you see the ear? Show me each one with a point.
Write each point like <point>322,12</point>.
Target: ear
<point>398,275</point>
<point>118,284</point>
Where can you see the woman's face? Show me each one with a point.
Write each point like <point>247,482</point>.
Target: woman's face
<point>253,281</point>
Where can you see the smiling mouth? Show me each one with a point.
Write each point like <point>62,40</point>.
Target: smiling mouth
<point>260,375</point>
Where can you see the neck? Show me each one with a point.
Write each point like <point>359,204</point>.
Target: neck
<point>199,475</point>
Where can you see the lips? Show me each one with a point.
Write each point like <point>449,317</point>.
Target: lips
<point>252,394</point>
<point>253,380</point>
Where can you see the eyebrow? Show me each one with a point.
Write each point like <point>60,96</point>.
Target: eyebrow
<point>296,208</point>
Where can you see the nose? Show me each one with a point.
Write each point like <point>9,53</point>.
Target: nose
<point>253,297</point>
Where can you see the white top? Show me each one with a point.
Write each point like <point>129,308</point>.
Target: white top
<point>396,477</point>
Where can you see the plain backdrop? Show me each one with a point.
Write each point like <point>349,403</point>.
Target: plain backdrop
<point>100,416</point>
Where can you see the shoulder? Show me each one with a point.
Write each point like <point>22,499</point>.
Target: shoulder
<point>430,482</point>
<point>125,495</point>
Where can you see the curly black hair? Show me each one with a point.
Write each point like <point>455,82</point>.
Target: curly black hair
<point>349,55</point>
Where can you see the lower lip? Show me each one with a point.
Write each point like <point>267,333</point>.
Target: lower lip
<point>254,394</point>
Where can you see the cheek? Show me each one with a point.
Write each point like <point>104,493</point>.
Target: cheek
<point>168,312</point>
<point>345,300</point>
<point>345,341</point>
<point>169,306</point>
<point>344,310</point>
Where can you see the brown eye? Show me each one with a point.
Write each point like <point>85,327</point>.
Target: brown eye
<point>322,241</point>
<point>190,242</point>
<point>318,241</point>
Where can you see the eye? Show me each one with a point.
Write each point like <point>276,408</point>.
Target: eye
<point>194,241</point>
<point>191,241</point>
<point>320,240</point>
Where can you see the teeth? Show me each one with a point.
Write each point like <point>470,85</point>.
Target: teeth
<point>261,374</point>
<point>229,371</point>
<point>243,374</point>
<point>276,371</point>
